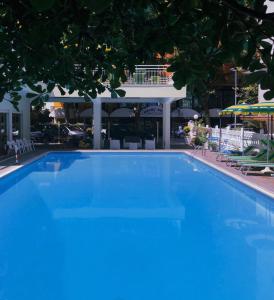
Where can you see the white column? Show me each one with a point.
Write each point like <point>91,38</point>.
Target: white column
<point>9,127</point>
<point>97,126</point>
<point>166,125</point>
<point>242,139</point>
<point>25,118</point>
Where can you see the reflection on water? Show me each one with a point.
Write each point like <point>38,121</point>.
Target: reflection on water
<point>124,226</point>
<point>31,253</point>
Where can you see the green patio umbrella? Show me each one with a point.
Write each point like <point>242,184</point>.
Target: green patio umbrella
<point>258,108</point>
<point>265,108</point>
<point>239,109</point>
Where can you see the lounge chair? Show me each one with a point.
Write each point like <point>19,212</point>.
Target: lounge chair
<point>114,144</point>
<point>262,160</point>
<point>226,150</point>
<point>261,156</point>
<point>250,150</point>
<point>247,167</point>
<point>150,144</point>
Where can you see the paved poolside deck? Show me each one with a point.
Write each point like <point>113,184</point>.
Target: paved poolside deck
<point>254,179</point>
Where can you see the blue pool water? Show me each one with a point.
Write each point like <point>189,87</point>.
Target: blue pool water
<point>132,226</point>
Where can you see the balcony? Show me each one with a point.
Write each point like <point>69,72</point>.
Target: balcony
<point>147,82</point>
<point>149,75</point>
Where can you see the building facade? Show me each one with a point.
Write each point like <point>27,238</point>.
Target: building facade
<point>14,123</point>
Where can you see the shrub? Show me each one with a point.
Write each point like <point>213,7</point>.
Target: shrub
<point>186,130</point>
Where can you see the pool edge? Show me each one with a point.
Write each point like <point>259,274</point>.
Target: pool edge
<point>231,175</point>
<point>222,170</point>
<point>17,167</point>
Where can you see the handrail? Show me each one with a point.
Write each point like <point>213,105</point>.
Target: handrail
<point>148,75</point>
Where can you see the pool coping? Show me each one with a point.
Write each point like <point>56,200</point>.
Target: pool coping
<point>222,170</point>
<point>26,162</point>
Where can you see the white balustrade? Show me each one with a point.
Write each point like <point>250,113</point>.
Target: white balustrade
<point>238,138</point>
<point>149,75</point>
<point>146,75</point>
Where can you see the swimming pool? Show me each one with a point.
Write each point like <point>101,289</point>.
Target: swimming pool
<point>132,226</point>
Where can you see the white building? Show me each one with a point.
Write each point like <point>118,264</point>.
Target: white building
<point>14,124</point>
<point>150,84</point>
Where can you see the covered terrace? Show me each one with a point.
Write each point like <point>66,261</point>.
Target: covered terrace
<point>156,87</point>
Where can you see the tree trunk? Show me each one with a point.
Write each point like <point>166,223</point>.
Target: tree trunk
<point>205,103</point>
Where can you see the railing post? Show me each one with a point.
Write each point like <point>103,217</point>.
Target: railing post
<point>97,126</point>
<point>220,138</point>
<point>242,140</point>
<point>166,125</point>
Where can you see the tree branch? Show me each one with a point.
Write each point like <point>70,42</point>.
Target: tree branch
<point>248,11</point>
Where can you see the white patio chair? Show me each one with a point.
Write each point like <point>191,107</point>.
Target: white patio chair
<point>150,144</point>
<point>10,147</point>
<point>29,145</point>
<point>23,146</point>
<point>20,146</point>
<point>132,146</point>
<point>26,145</point>
<point>114,144</point>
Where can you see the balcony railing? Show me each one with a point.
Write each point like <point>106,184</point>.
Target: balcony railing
<point>149,75</point>
<point>146,75</point>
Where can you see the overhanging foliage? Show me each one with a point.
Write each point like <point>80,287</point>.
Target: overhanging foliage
<point>86,45</point>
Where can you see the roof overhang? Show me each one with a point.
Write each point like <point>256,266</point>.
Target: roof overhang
<point>145,95</point>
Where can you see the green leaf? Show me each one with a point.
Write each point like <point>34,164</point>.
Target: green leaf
<point>93,94</point>
<point>269,95</point>
<point>97,6</point>
<point>37,101</point>
<point>36,88</point>
<point>267,82</point>
<point>31,95</point>
<point>86,98</point>
<point>101,88</point>
<point>255,77</point>
<point>266,45</point>
<point>62,91</point>
<point>256,65</point>
<point>41,5</point>
<point>50,86</point>
<point>113,94</point>
<point>14,104</point>
<point>121,93</point>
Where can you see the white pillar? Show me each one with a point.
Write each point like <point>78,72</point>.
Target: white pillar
<point>242,139</point>
<point>25,119</point>
<point>9,127</point>
<point>166,125</point>
<point>97,126</point>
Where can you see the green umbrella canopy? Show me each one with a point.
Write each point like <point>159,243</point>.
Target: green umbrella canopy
<point>262,108</point>
<point>238,109</point>
<point>265,108</point>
